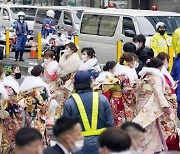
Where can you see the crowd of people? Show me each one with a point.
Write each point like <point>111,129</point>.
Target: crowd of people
<point>129,107</point>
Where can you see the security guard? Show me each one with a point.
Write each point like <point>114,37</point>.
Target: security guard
<point>48,25</point>
<point>160,42</point>
<point>176,41</point>
<point>91,109</point>
<point>22,31</point>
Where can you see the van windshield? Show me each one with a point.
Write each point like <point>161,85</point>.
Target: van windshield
<point>147,24</point>
<point>77,16</point>
<point>29,12</point>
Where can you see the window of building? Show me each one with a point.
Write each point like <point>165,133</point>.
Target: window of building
<point>128,24</point>
<point>99,25</point>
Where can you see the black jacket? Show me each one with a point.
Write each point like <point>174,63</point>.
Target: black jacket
<point>54,150</point>
<point>144,53</point>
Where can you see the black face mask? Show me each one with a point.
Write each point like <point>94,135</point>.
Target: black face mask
<point>17,75</point>
<point>162,32</point>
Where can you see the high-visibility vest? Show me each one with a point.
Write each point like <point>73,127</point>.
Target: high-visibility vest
<point>89,131</point>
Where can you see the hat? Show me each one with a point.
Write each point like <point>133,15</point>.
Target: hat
<point>159,24</point>
<point>82,77</point>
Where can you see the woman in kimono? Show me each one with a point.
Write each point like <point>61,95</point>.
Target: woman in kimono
<point>50,73</point>
<point>3,115</point>
<point>152,105</point>
<point>89,62</point>
<point>169,120</point>
<point>104,77</point>
<point>68,65</point>
<point>14,122</point>
<point>33,97</point>
<point>123,93</point>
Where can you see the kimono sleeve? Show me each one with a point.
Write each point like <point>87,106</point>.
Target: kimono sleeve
<point>159,92</point>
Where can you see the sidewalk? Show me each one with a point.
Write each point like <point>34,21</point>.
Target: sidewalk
<point>24,65</point>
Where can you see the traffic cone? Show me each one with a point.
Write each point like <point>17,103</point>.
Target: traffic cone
<point>33,54</point>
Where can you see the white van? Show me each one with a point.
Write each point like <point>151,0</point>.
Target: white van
<point>67,18</point>
<point>102,28</point>
<point>8,14</point>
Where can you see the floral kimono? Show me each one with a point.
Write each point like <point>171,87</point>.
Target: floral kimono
<point>169,119</point>
<point>152,106</point>
<point>14,122</point>
<point>3,115</point>
<point>34,99</point>
<point>52,79</point>
<point>123,101</point>
<point>120,93</point>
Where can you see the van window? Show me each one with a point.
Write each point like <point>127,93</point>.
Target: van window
<point>41,16</point>
<point>108,25</point>
<point>29,12</point>
<point>128,24</point>
<point>5,12</point>
<point>67,16</point>
<point>99,25</point>
<point>149,22</point>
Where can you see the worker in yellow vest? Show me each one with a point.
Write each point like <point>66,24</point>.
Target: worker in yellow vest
<point>160,42</point>
<point>91,109</point>
<point>176,41</point>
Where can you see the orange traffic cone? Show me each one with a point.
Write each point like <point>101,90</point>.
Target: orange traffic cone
<point>33,54</point>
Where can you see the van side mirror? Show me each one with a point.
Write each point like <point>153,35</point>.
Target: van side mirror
<point>6,18</point>
<point>129,33</point>
<point>68,22</point>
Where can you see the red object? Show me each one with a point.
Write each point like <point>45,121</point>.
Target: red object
<point>173,143</point>
<point>154,8</point>
<point>111,5</point>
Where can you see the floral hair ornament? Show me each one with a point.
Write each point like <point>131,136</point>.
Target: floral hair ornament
<point>7,70</point>
<point>126,63</point>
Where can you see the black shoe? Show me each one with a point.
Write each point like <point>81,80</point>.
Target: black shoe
<point>16,60</point>
<point>21,59</point>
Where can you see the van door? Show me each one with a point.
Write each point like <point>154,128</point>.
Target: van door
<point>5,17</point>
<point>67,25</point>
<point>128,28</point>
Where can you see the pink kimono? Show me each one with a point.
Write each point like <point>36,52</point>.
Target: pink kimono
<point>151,106</point>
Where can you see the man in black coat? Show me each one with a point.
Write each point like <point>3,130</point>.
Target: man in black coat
<point>67,131</point>
<point>143,52</point>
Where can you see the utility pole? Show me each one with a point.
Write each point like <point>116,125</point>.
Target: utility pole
<point>139,4</point>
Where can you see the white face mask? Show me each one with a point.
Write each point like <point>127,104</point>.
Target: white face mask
<point>67,52</point>
<point>138,151</point>
<point>77,146</point>
<point>166,65</point>
<point>47,61</point>
<point>84,58</point>
<point>136,64</point>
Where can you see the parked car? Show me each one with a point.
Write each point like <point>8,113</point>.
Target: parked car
<point>102,28</point>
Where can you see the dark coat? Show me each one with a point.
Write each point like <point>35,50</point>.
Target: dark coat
<point>176,74</point>
<point>144,53</point>
<point>105,118</point>
<point>54,150</point>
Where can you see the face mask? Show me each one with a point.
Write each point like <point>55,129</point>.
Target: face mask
<point>136,65</point>
<point>84,58</point>
<point>21,18</point>
<point>166,65</point>
<point>138,151</point>
<point>77,146</point>
<point>17,75</point>
<point>161,32</point>
<point>67,52</point>
<point>47,61</point>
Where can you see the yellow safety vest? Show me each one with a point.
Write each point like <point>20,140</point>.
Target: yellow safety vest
<point>89,131</point>
<point>160,43</point>
<point>176,41</point>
